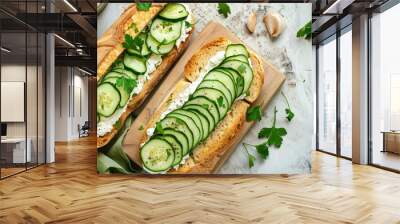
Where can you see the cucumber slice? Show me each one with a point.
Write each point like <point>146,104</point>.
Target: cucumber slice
<point>217,96</point>
<point>236,77</point>
<point>176,146</point>
<point>157,155</point>
<point>182,139</point>
<point>127,73</point>
<point>207,104</point>
<point>133,51</point>
<point>113,74</point>
<point>243,69</point>
<point>195,118</point>
<point>135,62</point>
<point>152,44</point>
<point>192,126</point>
<point>166,48</point>
<point>178,125</point>
<point>122,91</point>
<point>165,31</point>
<point>202,110</point>
<point>215,84</point>
<point>225,78</point>
<point>204,122</point>
<point>239,57</point>
<point>108,99</point>
<point>174,12</point>
<point>236,49</point>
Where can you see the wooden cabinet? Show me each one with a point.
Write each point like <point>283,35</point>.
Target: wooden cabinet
<point>391,142</point>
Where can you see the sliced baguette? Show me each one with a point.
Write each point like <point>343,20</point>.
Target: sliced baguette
<point>109,48</point>
<point>207,155</point>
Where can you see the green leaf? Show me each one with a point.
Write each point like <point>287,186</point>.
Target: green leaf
<point>126,83</point>
<point>240,81</point>
<point>224,9</point>
<point>134,27</point>
<point>254,113</point>
<point>143,6</point>
<point>133,43</point>
<point>188,25</point>
<point>250,157</point>
<point>262,150</point>
<point>107,165</point>
<point>251,160</point>
<point>112,159</point>
<point>241,69</point>
<point>273,134</point>
<point>118,64</point>
<point>141,127</point>
<point>220,101</point>
<point>288,110</point>
<point>117,125</point>
<point>159,128</point>
<point>305,32</point>
<point>290,114</point>
<point>205,106</point>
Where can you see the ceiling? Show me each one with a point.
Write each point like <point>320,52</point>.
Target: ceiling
<point>72,20</point>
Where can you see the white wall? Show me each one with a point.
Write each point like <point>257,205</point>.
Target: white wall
<point>70,83</point>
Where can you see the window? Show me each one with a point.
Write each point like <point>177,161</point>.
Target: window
<point>327,96</point>
<point>346,93</point>
<point>385,89</point>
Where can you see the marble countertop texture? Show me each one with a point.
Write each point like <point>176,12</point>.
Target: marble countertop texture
<point>291,55</point>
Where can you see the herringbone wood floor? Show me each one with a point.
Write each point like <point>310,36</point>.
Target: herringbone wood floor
<point>70,191</point>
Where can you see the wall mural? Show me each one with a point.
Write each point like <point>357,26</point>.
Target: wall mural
<point>202,88</point>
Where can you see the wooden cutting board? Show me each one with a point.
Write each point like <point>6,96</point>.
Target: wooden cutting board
<point>273,80</point>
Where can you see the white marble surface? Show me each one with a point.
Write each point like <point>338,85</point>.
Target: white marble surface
<point>290,55</point>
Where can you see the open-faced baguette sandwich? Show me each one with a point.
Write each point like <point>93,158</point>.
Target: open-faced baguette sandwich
<point>189,131</point>
<point>133,55</point>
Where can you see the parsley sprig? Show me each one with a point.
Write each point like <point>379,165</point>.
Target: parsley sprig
<point>224,9</point>
<point>305,31</point>
<point>143,6</point>
<point>133,43</point>
<point>254,113</point>
<point>288,110</point>
<point>273,137</point>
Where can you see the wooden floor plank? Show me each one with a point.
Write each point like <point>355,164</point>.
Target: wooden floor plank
<point>70,191</point>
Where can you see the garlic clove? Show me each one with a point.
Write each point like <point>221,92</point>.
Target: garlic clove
<point>251,22</point>
<point>274,23</point>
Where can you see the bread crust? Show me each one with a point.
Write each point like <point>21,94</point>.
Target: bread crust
<point>131,14</point>
<point>207,155</point>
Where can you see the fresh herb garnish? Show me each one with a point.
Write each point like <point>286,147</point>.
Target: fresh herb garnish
<point>273,134</point>
<point>250,157</point>
<point>141,127</point>
<point>241,69</point>
<point>187,24</point>
<point>288,110</point>
<point>134,27</point>
<point>118,64</point>
<point>220,101</point>
<point>224,9</point>
<point>205,106</point>
<point>254,113</point>
<point>132,43</point>
<point>240,81</point>
<point>305,31</point>
<point>159,128</point>
<point>117,124</point>
<point>126,83</point>
<point>143,6</point>
<point>263,150</point>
